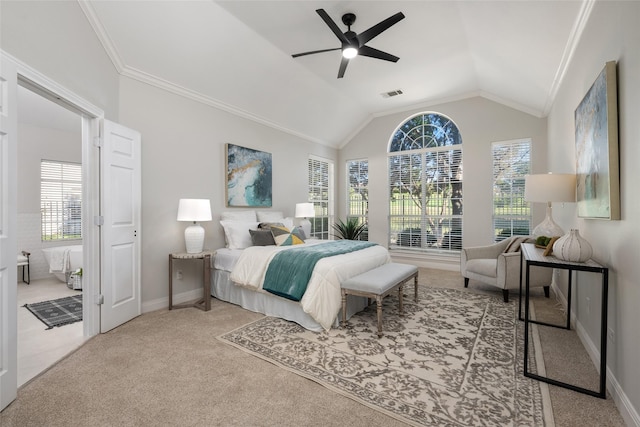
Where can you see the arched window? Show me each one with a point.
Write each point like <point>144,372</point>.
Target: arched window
<point>425,185</point>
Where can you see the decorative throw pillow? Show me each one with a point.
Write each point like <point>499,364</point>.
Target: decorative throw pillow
<point>298,231</point>
<point>237,233</point>
<point>283,237</point>
<point>262,237</point>
<point>514,246</point>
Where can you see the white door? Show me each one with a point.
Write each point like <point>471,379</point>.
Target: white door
<point>8,251</point>
<point>120,203</point>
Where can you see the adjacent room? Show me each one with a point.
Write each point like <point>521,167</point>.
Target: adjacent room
<point>320,213</point>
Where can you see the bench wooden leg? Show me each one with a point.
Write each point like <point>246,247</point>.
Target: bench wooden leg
<point>344,308</point>
<point>415,285</point>
<point>401,308</point>
<point>379,309</point>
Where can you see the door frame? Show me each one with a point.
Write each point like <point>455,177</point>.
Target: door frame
<point>92,119</point>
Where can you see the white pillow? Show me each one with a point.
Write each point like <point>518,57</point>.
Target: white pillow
<point>237,234</point>
<point>269,216</point>
<point>287,222</point>
<point>238,216</point>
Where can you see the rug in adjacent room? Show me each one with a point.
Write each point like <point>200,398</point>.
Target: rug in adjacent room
<point>455,358</point>
<point>58,312</point>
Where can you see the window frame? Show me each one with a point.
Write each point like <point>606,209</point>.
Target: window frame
<point>62,187</point>
<point>358,207</point>
<point>419,142</point>
<point>512,178</point>
<point>322,223</point>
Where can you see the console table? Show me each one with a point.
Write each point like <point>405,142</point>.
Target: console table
<point>205,302</point>
<point>532,256</point>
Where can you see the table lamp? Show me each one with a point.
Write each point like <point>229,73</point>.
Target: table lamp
<point>194,210</point>
<point>304,211</point>
<point>548,188</point>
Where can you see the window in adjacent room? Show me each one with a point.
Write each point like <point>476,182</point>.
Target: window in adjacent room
<point>321,195</point>
<point>511,213</point>
<point>425,185</point>
<point>358,193</point>
<point>60,200</point>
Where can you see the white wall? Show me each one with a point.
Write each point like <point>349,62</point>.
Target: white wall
<point>183,156</point>
<point>55,38</point>
<point>612,33</point>
<point>480,122</point>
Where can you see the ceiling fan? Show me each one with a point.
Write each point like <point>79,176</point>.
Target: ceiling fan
<point>354,44</point>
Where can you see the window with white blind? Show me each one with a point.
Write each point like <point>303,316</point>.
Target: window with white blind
<point>511,213</point>
<point>425,185</point>
<point>321,195</point>
<point>358,193</point>
<point>60,200</point>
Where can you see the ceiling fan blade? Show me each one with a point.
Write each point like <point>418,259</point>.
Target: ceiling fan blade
<point>343,67</point>
<point>378,54</point>
<point>367,35</point>
<point>295,55</point>
<point>336,30</point>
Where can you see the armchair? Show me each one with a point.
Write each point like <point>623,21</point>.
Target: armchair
<point>499,265</point>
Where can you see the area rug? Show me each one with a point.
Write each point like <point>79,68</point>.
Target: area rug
<point>58,312</point>
<point>454,359</point>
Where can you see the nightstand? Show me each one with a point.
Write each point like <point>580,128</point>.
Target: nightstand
<point>205,302</point>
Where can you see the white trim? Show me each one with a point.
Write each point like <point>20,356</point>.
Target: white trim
<point>448,262</point>
<point>103,36</point>
<point>163,303</point>
<point>569,50</point>
<point>91,117</point>
<point>622,402</point>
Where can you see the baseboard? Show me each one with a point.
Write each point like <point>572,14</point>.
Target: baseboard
<point>622,402</point>
<point>163,303</point>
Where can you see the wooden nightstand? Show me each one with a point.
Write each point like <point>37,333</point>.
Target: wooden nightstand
<point>205,302</point>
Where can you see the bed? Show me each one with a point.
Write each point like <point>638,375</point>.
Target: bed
<point>240,268</point>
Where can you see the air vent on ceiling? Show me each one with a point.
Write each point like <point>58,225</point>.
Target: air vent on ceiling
<point>392,93</point>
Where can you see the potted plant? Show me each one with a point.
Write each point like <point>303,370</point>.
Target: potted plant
<point>350,230</point>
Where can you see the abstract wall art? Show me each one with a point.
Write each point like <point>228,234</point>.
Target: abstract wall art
<point>597,164</point>
<point>249,175</point>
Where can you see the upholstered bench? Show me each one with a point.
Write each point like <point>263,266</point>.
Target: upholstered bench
<point>378,283</point>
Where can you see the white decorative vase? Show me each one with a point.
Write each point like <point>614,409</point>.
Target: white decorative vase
<point>572,247</point>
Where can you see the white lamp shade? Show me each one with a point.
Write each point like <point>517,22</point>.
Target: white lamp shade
<point>305,210</point>
<point>550,187</point>
<point>194,210</point>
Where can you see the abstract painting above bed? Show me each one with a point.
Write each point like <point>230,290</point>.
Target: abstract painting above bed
<point>249,177</point>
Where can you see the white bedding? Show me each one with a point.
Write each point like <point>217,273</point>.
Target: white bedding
<point>322,299</point>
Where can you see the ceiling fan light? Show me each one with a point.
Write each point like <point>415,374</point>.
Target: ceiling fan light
<point>350,52</point>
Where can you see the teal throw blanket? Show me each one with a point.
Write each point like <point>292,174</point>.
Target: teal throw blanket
<point>289,271</point>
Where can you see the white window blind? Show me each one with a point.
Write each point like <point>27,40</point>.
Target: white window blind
<point>358,192</point>
<point>321,195</point>
<point>60,200</point>
<point>511,213</point>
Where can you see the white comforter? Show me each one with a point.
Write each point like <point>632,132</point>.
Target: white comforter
<point>322,299</point>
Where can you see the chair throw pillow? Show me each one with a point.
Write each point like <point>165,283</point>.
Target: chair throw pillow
<point>284,237</point>
<point>514,246</point>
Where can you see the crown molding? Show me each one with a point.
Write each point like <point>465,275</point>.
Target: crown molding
<point>103,35</point>
<point>569,50</point>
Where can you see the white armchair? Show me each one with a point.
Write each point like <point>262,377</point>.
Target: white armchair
<point>499,265</point>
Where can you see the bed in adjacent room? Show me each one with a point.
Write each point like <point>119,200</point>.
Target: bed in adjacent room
<point>246,271</point>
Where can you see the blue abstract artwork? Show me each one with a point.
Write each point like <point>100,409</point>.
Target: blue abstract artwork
<point>249,177</point>
<point>597,173</point>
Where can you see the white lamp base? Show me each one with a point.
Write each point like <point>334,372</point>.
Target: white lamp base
<point>305,224</point>
<point>547,227</point>
<point>194,238</point>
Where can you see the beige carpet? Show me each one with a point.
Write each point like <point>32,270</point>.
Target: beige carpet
<point>167,368</point>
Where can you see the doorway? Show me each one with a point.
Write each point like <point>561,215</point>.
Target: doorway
<point>49,138</point>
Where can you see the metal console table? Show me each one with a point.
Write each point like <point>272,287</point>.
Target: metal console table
<point>532,256</point>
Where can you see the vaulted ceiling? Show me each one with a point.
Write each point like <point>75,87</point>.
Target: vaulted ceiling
<point>236,55</point>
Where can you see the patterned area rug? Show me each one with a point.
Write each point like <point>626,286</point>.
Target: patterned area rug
<point>58,312</point>
<point>454,359</point>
